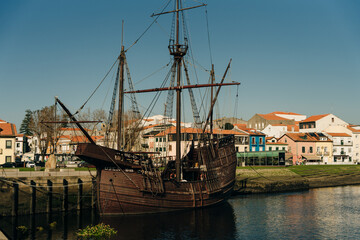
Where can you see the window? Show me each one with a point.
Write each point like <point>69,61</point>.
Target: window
<point>8,159</point>
<point>253,140</point>
<point>303,150</point>
<point>283,148</point>
<point>160,149</point>
<point>261,140</point>
<point>18,145</point>
<point>270,148</point>
<point>285,140</point>
<point>170,147</point>
<point>157,149</point>
<point>160,140</point>
<point>164,149</point>
<point>332,120</point>
<point>311,149</point>
<point>277,148</point>
<point>237,149</point>
<point>8,144</point>
<point>156,139</point>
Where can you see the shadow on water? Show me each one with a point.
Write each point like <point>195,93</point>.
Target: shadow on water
<point>216,222</point>
<point>47,226</point>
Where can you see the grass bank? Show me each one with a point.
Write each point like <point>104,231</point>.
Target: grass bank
<point>279,179</point>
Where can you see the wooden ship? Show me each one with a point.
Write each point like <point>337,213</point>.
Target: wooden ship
<point>129,183</point>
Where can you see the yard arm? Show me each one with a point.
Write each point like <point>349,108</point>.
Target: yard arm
<point>76,122</point>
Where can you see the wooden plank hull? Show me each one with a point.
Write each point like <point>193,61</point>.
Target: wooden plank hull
<point>127,190</point>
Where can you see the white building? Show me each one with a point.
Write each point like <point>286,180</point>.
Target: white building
<point>319,123</point>
<point>290,115</point>
<point>342,147</point>
<point>355,133</point>
<point>277,130</point>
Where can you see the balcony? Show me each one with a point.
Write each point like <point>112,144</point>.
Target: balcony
<point>322,153</point>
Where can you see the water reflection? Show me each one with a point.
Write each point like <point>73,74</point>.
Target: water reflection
<point>328,213</point>
<point>211,223</point>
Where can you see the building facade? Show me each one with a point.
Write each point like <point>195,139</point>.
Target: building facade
<point>8,135</point>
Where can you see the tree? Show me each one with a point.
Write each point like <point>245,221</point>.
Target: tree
<point>26,123</point>
<point>229,126</point>
<point>46,133</point>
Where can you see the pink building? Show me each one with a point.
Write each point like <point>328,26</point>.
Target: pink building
<point>303,147</point>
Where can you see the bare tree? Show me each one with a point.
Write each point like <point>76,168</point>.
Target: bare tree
<point>46,133</point>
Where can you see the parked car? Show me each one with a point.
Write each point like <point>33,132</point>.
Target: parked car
<point>29,164</point>
<point>85,164</point>
<point>40,163</point>
<point>8,165</point>
<point>61,164</point>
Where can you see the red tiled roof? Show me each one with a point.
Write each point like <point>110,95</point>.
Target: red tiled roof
<point>7,129</point>
<point>276,143</point>
<point>314,118</point>
<point>271,116</point>
<point>303,137</point>
<point>339,134</point>
<point>353,129</point>
<point>240,125</point>
<point>290,127</point>
<point>82,139</point>
<point>287,113</point>
<point>166,132</point>
<point>227,132</point>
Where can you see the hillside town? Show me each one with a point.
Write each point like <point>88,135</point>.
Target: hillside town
<point>276,138</point>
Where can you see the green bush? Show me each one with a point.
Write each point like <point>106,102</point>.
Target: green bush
<point>100,231</point>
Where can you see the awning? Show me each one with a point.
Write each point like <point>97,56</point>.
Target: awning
<point>288,156</point>
<point>311,157</point>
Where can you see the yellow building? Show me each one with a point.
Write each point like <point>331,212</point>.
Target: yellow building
<point>7,141</point>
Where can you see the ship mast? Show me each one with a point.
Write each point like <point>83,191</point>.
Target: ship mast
<point>178,51</point>
<point>121,91</point>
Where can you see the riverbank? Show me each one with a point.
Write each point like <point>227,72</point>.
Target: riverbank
<point>295,178</point>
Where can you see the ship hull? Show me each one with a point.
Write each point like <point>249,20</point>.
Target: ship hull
<point>127,190</point>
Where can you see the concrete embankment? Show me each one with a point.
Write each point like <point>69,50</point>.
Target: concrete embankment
<point>41,179</point>
<point>270,180</point>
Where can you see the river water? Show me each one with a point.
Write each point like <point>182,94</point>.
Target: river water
<point>326,213</point>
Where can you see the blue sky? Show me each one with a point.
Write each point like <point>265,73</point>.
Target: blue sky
<point>301,56</point>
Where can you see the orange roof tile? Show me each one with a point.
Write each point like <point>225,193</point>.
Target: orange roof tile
<point>339,134</point>
<point>276,143</point>
<point>7,129</point>
<point>240,125</point>
<point>314,118</point>
<point>271,116</point>
<point>167,131</point>
<point>227,132</point>
<point>350,127</point>
<point>82,139</point>
<point>287,113</point>
<point>304,137</point>
<point>290,127</point>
